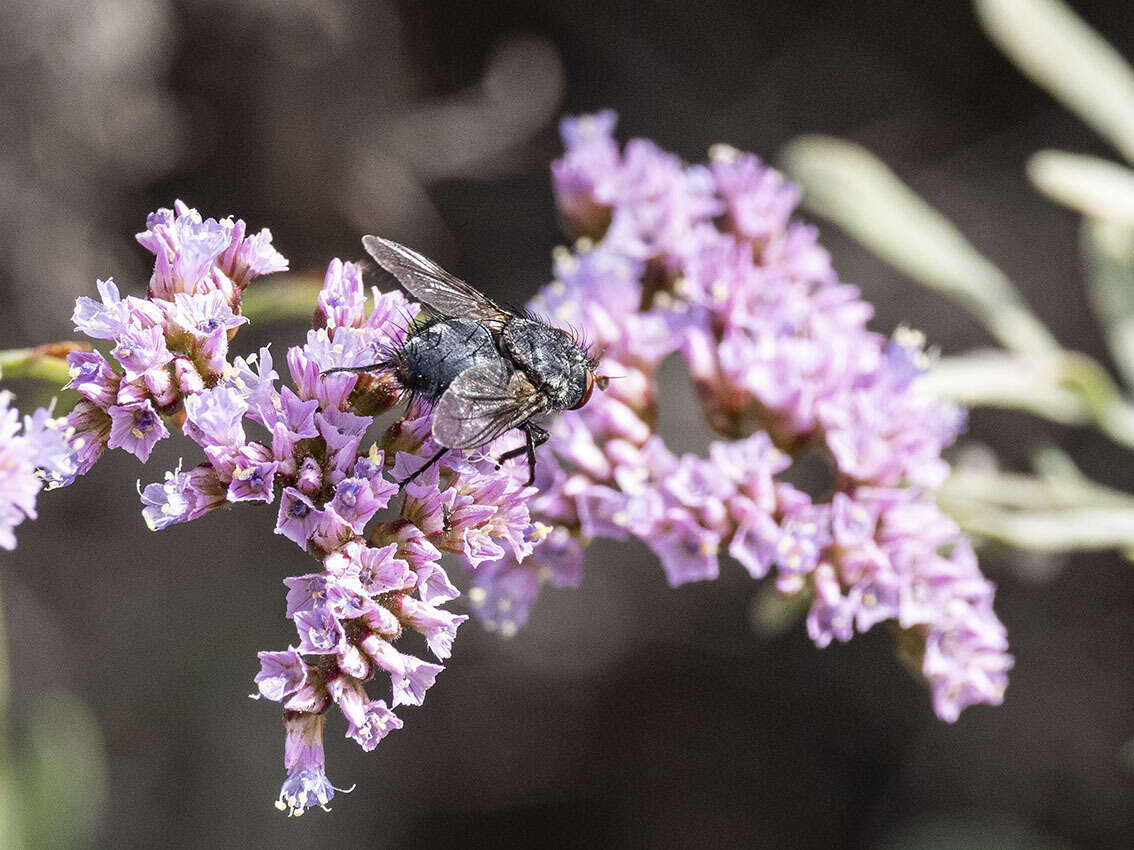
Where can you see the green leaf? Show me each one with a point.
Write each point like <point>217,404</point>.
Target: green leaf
<point>850,186</point>
<point>772,613</point>
<point>1053,464</point>
<point>1071,530</point>
<point>993,378</point>
<point>1108,251</point>
<point>1060,53</point>
<point>1095,187</point>
<point>978,491</point>
<point>60,783</point>
<point>1057,510</point>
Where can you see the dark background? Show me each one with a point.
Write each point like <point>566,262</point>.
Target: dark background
<point>626,713</point>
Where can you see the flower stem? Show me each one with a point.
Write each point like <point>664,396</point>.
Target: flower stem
<point>44,362</point>
<point>7,790</point>
<point>1056,48</point>
<point>850,186</point>
<point>1050,513</point>
<point>292,297</point>
<point>287,297</point>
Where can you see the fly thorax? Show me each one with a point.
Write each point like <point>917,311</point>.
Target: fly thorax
<point>552,361</point>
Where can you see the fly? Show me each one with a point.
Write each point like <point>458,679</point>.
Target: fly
<point>486,368</point>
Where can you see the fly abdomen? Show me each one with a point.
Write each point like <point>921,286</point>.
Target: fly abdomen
<point>437,352</point>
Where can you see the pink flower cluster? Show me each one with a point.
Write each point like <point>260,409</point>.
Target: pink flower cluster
<point>33,457</point>
<point>698,261</point>
<point>705,261</point>
<point>171,345</point>
<point>380,575</point>
<point>374,585</point>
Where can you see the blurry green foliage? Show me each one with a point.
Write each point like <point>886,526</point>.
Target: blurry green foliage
<point>1055,508</point>
<point>53,778</point>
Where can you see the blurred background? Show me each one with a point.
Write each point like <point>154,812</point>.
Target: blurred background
<point>626,713</point>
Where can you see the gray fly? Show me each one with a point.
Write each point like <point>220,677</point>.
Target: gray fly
<point>486,368</point>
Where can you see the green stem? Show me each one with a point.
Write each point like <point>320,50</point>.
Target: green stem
<point>847,184</point>
<point>979,490</point>
<point>289,297</point>
<point>7,784</point>
<point>34,363</point>
<point>1056,48</point>
<point>1058,511</point>
<point>1103,401</point>
<point>286,297</point>
<point>1108,253</point>
<point>995,378</point>
<point>1078,530</point>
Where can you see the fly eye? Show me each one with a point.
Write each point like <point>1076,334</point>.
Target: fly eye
<point>587,392</point>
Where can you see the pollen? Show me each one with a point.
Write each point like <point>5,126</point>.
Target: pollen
<point>723,153</point>
<point>564,259</point>
<point>908,337</point>
<point>958,608</point>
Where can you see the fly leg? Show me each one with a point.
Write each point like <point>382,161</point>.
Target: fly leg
<point>534,437</point>
<point>422,468</point>
<point>352,369</point>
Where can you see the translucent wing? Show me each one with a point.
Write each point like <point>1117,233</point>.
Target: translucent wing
<point>482,403</point>
<point>432,285</point>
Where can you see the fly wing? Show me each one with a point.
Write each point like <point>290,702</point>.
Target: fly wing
<point>482,403</point>
<point>432,285</point>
